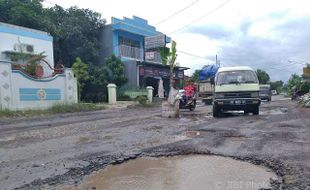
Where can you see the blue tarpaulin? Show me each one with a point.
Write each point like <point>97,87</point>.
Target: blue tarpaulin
<point>208,71</point>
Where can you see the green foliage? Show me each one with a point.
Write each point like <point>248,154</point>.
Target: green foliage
<point>164,52</point>
<point>117,71</point>
<point>28,13</point>
<point>195,75</point>
<point>75,31</point>
<point>57,108</point>
<point>30,68</point>
<point>277,85</point>
<point>305,87</point>
<point>141,99</point>
<point>16,56</point>
<point>294,81</point>
<point>80,70</point>
<point>96,87</point>
<point>99,75</point>
<point>263,76</point>
<point>169,57</point>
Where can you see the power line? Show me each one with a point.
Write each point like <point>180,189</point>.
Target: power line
<point>198,19</point>
<point>193,55</point>
<point>179,11</point>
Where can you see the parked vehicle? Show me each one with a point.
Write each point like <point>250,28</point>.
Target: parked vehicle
<point>265,92</point>
<point>206,83</point>
<point>205,91</point>
<point>274,92</point>
<point>186,102</point>
<point>236,88</point>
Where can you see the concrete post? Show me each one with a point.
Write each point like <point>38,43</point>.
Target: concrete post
<point>112,93</point>
<point>150,93</point>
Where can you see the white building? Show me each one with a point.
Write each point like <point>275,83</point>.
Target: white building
<point>16,39</point>
<point>20,91</point>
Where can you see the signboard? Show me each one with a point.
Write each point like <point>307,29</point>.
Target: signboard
<point>150,55</point>
<point>155,41</point>
<point>159,72</point>
<point>306,71</point>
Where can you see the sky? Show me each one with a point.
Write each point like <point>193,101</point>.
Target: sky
<point>273,35</point>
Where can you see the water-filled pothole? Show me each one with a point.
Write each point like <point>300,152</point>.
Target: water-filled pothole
<point>197,172</point>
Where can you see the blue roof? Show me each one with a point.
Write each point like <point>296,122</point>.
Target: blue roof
<point>136,25</point>
<point>27,32</point>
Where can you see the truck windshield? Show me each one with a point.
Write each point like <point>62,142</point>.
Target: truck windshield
<point>265,90</point>
<point>236,77</point>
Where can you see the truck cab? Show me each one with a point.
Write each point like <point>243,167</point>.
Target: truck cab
<point>265,92</point>
<point>236,88</point>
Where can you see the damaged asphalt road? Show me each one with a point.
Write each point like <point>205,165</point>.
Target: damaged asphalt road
<point>49,152</point>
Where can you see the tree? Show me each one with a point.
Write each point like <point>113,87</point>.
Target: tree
<point>169,57</point>
<point>28,13</point>
<point>96,87</point>
<point>294,82</point>
<point>80,70</point>
<point>117,69</point>
<point>263,76</point>
<point>277,85</point>
<point>76,32</point>
<point>195,75</point>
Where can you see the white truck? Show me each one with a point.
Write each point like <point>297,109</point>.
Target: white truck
<point>236,88</point>
<point>205,91</point>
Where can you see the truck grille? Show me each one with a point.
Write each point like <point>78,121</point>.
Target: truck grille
<point>237,95</point>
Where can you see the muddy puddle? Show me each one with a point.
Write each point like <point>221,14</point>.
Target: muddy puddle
<point>196,172</point>
<point>276,111</point>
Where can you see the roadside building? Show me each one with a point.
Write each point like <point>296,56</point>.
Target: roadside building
<point>137,44</point>
<point>28,84</point>
<point>18,44</point>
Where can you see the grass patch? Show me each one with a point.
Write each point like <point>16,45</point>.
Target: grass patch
<point>57,108</point>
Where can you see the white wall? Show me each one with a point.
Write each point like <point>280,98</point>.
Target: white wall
<point>9,40</point>
<point>11,82</point>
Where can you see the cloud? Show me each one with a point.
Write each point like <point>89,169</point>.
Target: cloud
<point>271,54</point>
<point>217,32</point>
<point>245,26</point>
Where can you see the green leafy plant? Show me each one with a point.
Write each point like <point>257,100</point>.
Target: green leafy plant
<point>117,71</point>
<point>169,57</point>
<point>80,70</point>
<point>141,99</point>
<point>262,76</point>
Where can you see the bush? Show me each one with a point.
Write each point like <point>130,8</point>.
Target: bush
<point>141,99</point>
<point>57,108</point>
<point>123,97</point>
<point>31,68</point>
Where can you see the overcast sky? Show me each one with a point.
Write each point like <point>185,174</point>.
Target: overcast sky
<point>263,34</point>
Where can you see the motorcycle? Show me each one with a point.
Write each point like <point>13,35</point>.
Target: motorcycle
<point>186,102</point>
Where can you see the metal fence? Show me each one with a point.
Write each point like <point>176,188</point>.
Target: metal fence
<point>130,92</point>
<point>131,52</point>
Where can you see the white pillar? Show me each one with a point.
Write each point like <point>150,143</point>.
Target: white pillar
<point>6,96</point>
<point>150,93</point>
<point>112,93</point>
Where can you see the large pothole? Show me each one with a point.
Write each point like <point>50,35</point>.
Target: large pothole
<point>197,172</point>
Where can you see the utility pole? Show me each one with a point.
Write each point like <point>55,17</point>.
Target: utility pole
<point>217,62</point>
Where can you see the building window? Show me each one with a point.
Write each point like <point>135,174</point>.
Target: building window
<point>128,42</point>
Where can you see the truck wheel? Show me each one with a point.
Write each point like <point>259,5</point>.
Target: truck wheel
<point>255,110</point>
<point>215,111</point>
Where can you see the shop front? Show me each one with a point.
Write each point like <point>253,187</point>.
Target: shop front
<point>157,76</point>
